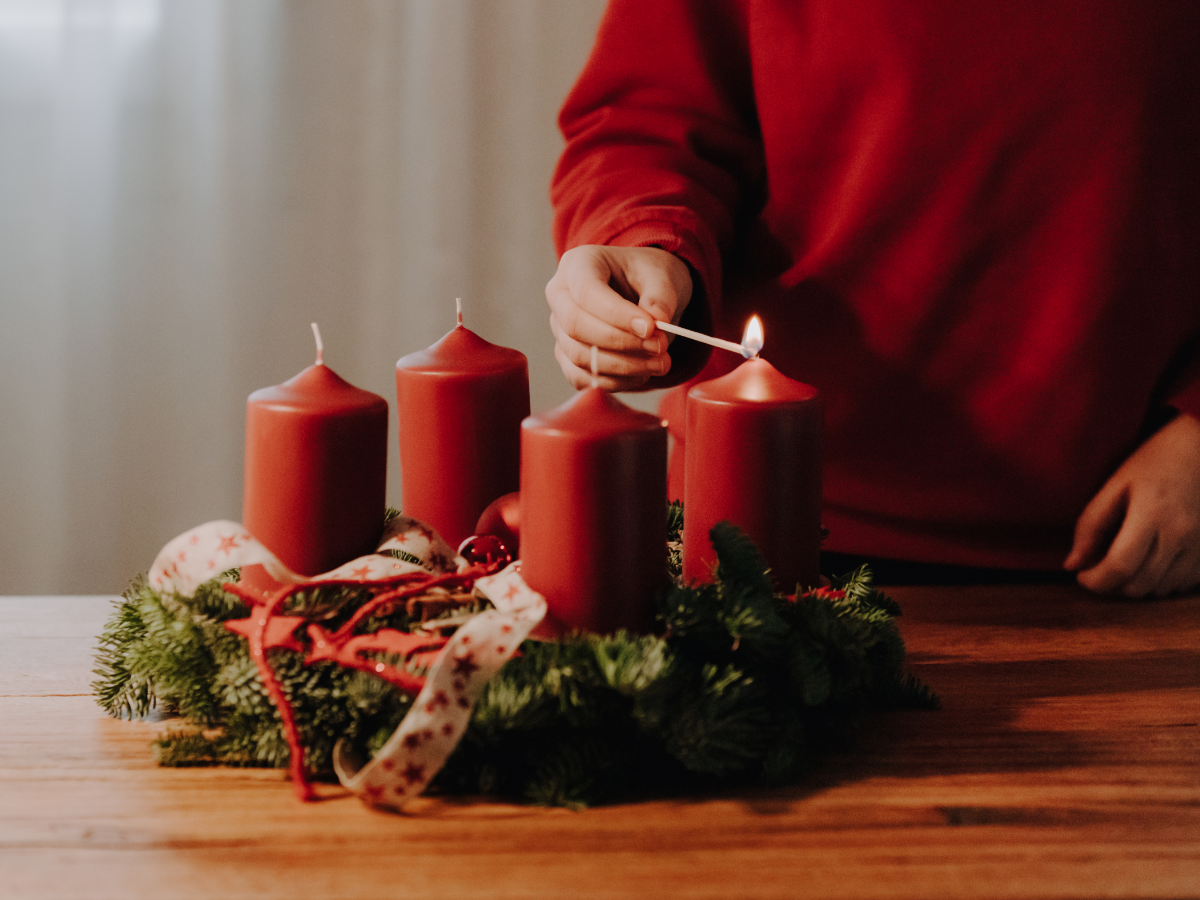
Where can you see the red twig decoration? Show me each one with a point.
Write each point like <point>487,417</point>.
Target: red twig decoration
<point>264,632</point>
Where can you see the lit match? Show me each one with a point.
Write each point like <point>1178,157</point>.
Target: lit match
<point>746,348</point>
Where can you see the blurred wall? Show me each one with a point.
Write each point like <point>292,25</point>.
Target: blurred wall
<point>186,184</point>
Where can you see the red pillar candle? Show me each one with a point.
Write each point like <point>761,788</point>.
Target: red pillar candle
<point>593,512</point>
<point>460,404</point>
<point>753,458</point>
<point>316,469</point>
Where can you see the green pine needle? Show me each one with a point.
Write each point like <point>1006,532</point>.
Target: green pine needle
<point>739,683</point>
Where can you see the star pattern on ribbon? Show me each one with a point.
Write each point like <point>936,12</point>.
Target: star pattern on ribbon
<point>447,674</point>
<point>438,718</point>
<point>190,559</point>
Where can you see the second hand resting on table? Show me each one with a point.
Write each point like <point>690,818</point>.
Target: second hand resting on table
<point>1139,536</point>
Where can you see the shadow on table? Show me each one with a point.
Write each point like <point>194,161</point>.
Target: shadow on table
<point>894,572</point>
<point>1045,679</point>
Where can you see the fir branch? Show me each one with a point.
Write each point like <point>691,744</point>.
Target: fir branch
<point>902,690</point>
<point>859,588</point>
<point>187,747</point>
<point>721,726</point>
<point>740,565</point>
<point>117,690</point>
<point>675,540</point>
<point>740,683</point>
<point>629,663</point>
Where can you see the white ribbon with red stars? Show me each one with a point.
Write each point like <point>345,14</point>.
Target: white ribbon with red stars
<point>208,550</point>
<point>429,733</point>
<point>435,723</point>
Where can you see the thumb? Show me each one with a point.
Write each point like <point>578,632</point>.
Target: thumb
<point>663,284</point>
<point>1097,526</point>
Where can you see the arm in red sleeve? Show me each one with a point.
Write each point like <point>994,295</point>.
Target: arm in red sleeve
<point>1185,391</point>
<point>662,144</point>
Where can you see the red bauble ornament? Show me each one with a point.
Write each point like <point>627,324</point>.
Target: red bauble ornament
<point>503,519</point>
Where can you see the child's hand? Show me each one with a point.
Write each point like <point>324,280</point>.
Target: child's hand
<point>1141,533</point>
<point>589,304</point>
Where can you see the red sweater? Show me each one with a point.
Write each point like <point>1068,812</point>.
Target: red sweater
<point>974,226</point>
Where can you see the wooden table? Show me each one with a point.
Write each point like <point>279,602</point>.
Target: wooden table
<point>1065,763</point>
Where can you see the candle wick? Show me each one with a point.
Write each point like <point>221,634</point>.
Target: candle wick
<point>320,346</point>
<point>458,308</point>
<point>595,366</point>
<point>752,338</point>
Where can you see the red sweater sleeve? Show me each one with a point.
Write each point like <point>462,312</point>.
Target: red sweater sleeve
<point>662,141</point>
<point>1184,392</point>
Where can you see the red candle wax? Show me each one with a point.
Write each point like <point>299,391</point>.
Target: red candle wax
<point>316,470</point>
<point>460,404</point>
<point>753,457</point>
<point>593,512</point>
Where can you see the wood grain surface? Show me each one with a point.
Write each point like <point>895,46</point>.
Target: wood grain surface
<point>1065,763</point>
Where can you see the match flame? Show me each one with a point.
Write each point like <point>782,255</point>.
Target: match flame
<point>752,338</point>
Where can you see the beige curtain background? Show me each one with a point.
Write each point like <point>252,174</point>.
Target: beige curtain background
<point>186,184</point>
